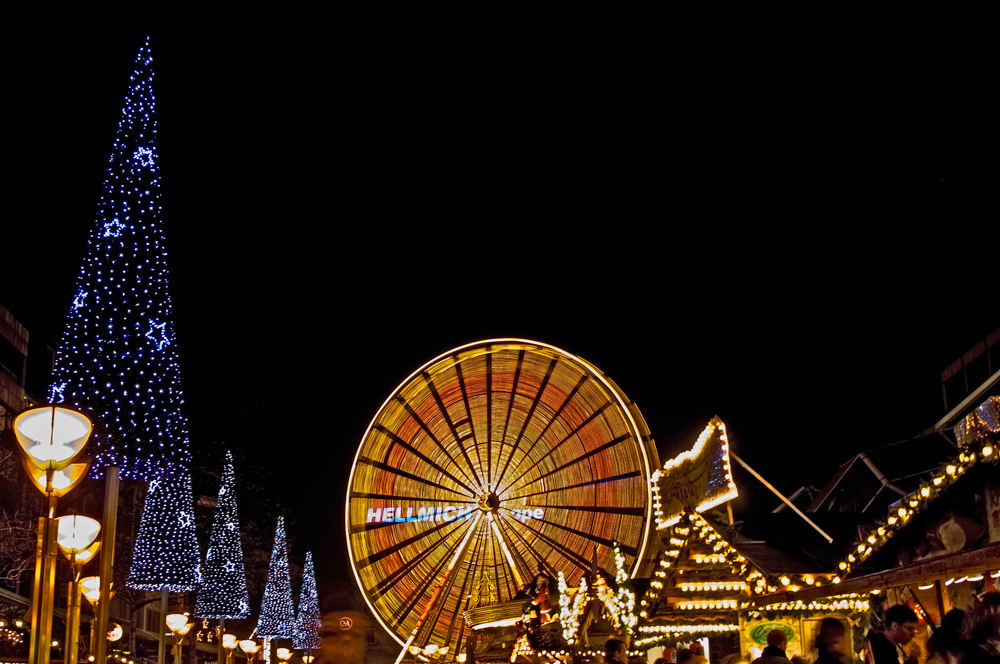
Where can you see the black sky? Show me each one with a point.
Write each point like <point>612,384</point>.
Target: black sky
<point>797,244</point>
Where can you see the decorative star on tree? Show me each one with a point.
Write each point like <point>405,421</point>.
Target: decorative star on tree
<point>224,591</point>
<point>78,299</point>
<point>277,615</point>
<point>106,364</point>
<point>166,549</point>
<point>308,621</point>
<point>113,228</point>
<point>158,334</point>
<point>144,156</point>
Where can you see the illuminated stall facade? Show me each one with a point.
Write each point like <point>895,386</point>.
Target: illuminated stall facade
<point>706,571</point>
<point>937,547</point>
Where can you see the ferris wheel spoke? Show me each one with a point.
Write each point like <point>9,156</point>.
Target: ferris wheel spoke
<point>531,412</point>
<point>420,455</point>
<point>410,476</point>
<point>597,539</point>
<point>489,421</point>
<point>411,600</point>
<point>398,546</point>
<point>387,583</point>
<point>570,555</point>
<point>510,409</point>
<point>468,412</point>
<point>416,418</point>
<point>575,460</point>
<point>581,485</point>
<point>451,425</point>
<point>559,444</point>
<point>386,496</point>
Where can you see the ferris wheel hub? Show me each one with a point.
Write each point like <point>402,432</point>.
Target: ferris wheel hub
<point>489,502</point>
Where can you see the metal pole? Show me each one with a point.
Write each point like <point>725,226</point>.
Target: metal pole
<point>73,623</point>
<point>161,653</point>
<point>107,562</point>
<point>38,590</point>
<point>48,588</point>
<point>222,630</point>
<point>779,495</point>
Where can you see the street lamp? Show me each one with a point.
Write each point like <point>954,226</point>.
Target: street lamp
<point>284,654</point>
<point>229,642</point>
<point>90,586</point>
<point>77,538</point>
<point>51,438</point>
<point>249,648</point>
<point>179,625</point>
<point>308,659</point>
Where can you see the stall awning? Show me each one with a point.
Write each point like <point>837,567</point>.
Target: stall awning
<point>958,564</point>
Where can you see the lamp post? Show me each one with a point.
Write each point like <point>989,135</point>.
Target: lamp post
<point>179,625</point>
<point>229,642</point>
<point>77,539</point>
<point>51,438</point>
<point>90,586</point>
<point>249,648</point>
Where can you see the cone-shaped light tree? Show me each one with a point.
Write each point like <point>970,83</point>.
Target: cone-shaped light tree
<point>223,592</point>
<point>118,354</point>
<point>308,621</point>
<point>166,550</point>
<point>277,613</point>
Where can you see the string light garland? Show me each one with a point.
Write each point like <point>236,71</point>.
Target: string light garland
<point>117,358</point>
<point>977,447</point>
<point>277,615</point>
<point>308,621</point>
<point>572,605</point>
<point>166,548</point>
<point>224,594</point>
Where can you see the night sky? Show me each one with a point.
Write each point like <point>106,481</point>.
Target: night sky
<point>798,246</point>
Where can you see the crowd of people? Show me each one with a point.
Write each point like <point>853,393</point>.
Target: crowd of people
<point>971,637</point>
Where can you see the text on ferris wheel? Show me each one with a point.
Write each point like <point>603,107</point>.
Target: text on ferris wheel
<point>445,513</point>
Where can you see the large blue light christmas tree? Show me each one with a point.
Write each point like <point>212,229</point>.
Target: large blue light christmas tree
<point>166,549</point>
<point>308,621</point>
<point>118,354</point>
<point>277,614</point>
<point>223,593</point>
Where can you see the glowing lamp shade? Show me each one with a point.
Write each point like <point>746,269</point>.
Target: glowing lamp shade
<point>91,588</point>
<point>176,621</point>
<point>228,641</point>
<point>85,556</point>
<point>249,646</point>
<point>63,479</point>
<point>284,654</point>
<point>115,633</point>
<point>52,435</point>
<point>75,533</point>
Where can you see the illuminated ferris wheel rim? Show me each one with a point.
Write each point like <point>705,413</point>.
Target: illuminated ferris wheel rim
<point>489,346</point>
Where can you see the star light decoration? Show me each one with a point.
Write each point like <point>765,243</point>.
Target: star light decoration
<point>117,358</point>
<point>223,593</point>
<point>166,549</point>
<point>277,614</point>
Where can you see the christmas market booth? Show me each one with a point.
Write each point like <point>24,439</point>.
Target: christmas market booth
<point>710,566</point>
<point>936,548</point>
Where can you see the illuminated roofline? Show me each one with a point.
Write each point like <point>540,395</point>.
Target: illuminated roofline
<point>488,343</point>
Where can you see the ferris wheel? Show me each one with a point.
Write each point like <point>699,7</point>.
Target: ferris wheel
<point>489,462</point>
